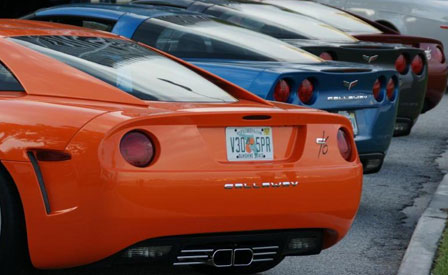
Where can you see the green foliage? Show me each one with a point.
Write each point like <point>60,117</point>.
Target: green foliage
<point>441,263</point>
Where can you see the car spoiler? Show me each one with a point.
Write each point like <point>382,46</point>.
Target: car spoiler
<point>399,39</point>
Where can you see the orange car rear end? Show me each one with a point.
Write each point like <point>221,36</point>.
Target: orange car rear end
<point>108,169</point>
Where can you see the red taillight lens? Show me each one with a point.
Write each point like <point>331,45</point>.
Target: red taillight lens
<point>326,56</point>
<point>417,65</point>
<point>137,148</point>
<point>282,91</point>
<point>390,89</point>
<point>376,90</point>
<point>438,55</point>
<point>345,145</point>
<point>306,91</point>
<point>401,64</point>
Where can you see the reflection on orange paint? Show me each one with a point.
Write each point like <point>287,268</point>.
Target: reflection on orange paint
<point>100,204</point>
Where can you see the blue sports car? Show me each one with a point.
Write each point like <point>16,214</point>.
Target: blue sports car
<point>319,38</point>
<point>268,67</point>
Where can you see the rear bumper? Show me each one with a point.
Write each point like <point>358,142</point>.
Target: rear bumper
<point>372,162</point>
<point>412,95</point>
<point>262,246</point>
<point>375,128</point>
<point>113,210</point>
<point>437,79</point>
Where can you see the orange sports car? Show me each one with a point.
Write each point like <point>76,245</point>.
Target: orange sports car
<point>111,150</point>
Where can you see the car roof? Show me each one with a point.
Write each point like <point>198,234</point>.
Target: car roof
<point>19,27</point>
<point>115,11</point>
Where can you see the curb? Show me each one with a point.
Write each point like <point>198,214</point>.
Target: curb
<point>424,243</point>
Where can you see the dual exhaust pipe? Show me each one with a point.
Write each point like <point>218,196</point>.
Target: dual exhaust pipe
<point>232,257</point>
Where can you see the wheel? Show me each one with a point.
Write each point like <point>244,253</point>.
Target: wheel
<point>13,251</point>
<point>252,269</point>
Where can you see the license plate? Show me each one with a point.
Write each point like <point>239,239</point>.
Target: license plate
<point>352,117</point>
<point>249,143</point>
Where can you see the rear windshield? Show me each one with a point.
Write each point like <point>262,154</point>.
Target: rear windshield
<point>198,36</point>
<point>128,66</point>
<point>329,15</point>
<point>269,20</point>
<point>8,82</point>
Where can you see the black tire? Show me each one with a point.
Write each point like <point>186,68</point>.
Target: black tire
<point>426,107</point>
<point>13,248</point>
<point>252,269</point>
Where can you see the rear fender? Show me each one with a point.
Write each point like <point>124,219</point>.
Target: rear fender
<point>38,125</point>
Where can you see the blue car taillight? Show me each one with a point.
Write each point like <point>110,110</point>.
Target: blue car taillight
<point>282,91</point>
<point>390,89</point>
<point>306,91</point>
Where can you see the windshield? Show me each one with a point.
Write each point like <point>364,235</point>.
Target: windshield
<point>269,19</point>
<point>128,66</point>
<point>329,15</point>
<point>199,36</point>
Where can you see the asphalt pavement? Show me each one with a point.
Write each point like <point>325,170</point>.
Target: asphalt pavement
<point>392,202</point>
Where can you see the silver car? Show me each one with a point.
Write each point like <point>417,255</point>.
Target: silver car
<point>427,18</point>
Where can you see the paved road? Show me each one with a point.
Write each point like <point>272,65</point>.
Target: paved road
<point>391,204</point>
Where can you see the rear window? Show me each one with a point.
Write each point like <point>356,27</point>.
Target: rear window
<point>329,15</point>
<point>257,25</point>
<point>278,22</point>
<point>128,66</point>
<point>197,36</point>
<point>8,82</point>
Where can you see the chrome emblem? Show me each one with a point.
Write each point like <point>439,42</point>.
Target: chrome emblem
<point>350,97</point>
<point>262,185</point>
<point>370,59</point>
<point>428,53</point>
<point>323,146</point>
<point>350,85</point>
<point>321,141</point>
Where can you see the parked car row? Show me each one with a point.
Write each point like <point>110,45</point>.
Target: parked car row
<point>156,131</point>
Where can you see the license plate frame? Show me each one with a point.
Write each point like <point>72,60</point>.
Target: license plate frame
<point>249,143</point>
<point>352,117</point>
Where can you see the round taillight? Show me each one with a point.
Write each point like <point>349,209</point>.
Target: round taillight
<point>376,90</point>
<point>137,148</point>
<point>417,65</point>
<point>390,89</point>
<point>326,56</point>
<point>282,91</point>
<point>345,145</point>
<point>438,55</point>
<point>401,64</point>
<point>306,91</point>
